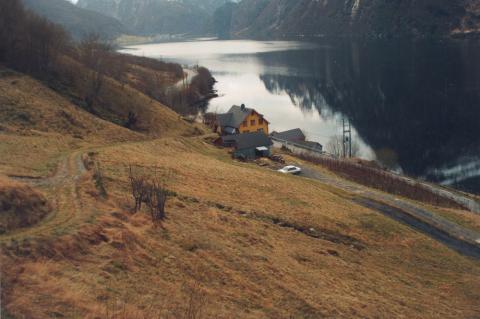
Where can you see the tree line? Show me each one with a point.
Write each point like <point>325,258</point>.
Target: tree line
<point>31,44</point>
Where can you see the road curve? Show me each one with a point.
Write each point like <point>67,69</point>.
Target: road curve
<point>464,241</point>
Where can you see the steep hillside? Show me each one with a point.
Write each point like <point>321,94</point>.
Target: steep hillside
<point>77,21</point>
<point>373,18</point>
<point>34,116</point>
<point>232,230</point>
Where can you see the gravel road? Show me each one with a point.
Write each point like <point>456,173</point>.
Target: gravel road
<point>464,241</point>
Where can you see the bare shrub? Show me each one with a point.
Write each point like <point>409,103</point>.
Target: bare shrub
<point>138,187</point>
<point>99,181</point>
<point>149,189</point>
<point>196,302</point>
<point>157,195</point>
<point>335,147</point>
<point>132,120</point>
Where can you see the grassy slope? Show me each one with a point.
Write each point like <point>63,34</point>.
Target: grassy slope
<point>116,100</point>
<point>221,243</point>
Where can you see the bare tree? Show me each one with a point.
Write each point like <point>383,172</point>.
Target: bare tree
<point>149,190</point>
<point>94,54</point>
<point>29,43</point>
<point>335,146</point>
<point>156,200</point>
<point>138,187</point>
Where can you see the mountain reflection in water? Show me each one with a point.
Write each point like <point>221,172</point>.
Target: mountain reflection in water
<point>413,104</point>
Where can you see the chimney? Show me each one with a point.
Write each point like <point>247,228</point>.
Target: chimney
<point>242,107</point>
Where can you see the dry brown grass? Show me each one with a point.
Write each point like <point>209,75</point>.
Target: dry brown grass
<point>28,105</point>
<point>20,205</point>
<point>224,240</point>
<point>236,242</point>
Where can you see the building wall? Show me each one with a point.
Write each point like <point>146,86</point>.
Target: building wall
<point>249,126</point>
<point>250,153</point>
<point>297,149</point>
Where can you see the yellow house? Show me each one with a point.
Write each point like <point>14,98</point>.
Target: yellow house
<point>240,119</point>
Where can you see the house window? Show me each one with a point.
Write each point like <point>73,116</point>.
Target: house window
<point>245,123</point>
<point>260,130</point>
<point>252,122</point>
<point>260,121</point>
<point>246,131</point>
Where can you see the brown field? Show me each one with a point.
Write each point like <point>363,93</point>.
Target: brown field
<point>239,240</point>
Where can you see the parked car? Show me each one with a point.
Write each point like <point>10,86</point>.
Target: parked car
<point>290,169</point>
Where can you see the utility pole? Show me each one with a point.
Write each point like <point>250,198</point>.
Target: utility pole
<point>347,138</point>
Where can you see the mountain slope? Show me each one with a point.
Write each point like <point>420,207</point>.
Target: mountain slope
<point>149,17</point>
<point>375,18</point>
<point>79,22</point>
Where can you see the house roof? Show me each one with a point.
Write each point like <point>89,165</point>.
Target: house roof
<point>248,140</point>
<point>224,119</point>
<point>235,116</point>
<point>290,135</point>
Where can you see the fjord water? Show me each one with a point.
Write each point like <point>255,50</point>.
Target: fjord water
<point>413,105</point>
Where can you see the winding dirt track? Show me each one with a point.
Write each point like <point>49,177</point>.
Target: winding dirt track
<point>63,190</point>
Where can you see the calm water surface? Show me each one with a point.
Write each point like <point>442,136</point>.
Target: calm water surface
<point>415,106</point>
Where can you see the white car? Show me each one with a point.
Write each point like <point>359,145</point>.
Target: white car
<point>290,169</point>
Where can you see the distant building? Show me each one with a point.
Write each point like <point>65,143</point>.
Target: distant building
<point>248,145</point>
<point>295,140</point>
<point>240,119</point>
<point>295,135</point>
<point>312,145</point>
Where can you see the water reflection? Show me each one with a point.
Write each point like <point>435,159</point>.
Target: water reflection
<point>412,104</point>
<point>417,104</point>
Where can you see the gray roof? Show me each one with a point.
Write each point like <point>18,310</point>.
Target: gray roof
<point>234,117</point>
<point>290,135</point>
<point>248,140</point>
<point>224,119</point>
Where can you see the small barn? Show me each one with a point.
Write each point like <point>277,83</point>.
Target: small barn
<point>248,146</point>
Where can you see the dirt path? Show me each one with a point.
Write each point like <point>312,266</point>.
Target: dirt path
<point>63,190</point>
<point>463,240</point>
